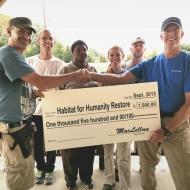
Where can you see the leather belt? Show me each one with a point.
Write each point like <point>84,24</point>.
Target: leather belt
<point>166,114</point>
<point>13,127</point>
<point>19,123</point>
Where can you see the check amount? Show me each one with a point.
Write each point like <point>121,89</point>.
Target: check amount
<point>147,104</point>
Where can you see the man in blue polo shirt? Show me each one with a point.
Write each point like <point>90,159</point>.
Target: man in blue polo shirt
<point>171,70</point>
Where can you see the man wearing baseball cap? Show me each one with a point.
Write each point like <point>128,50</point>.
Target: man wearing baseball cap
<point>21,22</point>
<point>171,70</point>
<point>171,20</point>
<point>17,103</point>
<point>137,50</point>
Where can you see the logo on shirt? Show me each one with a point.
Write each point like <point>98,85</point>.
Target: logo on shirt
<point>176,71</point>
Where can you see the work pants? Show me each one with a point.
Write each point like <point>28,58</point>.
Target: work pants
<point>123,154</point>
<point>78,160</point>
<point>177,152</point>
<point>18,169</point>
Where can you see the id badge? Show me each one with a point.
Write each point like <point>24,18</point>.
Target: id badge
<point>4,127</point>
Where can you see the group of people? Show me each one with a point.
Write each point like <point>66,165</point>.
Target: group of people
<point>22,82</point>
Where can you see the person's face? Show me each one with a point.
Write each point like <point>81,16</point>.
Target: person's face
<point>46,40</point>
<point>80,52</point>
<point>20,38</point>
<point>137,49</point>
<point>115,56</point>
<point>171,36</point>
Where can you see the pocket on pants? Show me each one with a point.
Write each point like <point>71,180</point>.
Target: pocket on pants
<point>15,177</point>
<point>15,166</point>
<point>186,156</point>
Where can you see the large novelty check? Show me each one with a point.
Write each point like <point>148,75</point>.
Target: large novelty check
<point>100,115</point>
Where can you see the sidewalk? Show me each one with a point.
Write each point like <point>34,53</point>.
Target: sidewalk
<point>164,178</point>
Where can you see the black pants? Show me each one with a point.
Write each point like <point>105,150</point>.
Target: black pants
<point>49,165</point>
<point>81,159</point>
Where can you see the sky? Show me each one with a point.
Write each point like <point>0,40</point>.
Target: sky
<point>104,23</point>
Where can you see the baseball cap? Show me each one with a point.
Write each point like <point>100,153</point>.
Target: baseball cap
<point>21,22</point>
<point>171,20</point>
<point>76,43</point>
<point>138,39</point>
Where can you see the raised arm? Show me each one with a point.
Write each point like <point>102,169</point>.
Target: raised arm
<point>126,78</point>
<point>46,82</point>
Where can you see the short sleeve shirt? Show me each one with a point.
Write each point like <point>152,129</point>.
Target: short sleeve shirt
<point>17,101</point>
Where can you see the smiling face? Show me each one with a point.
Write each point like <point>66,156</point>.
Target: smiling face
<point>80,53</point>
<point>171,36</point>
<point>115,56</point>
<point>19,39</point>
<point>46,40</point>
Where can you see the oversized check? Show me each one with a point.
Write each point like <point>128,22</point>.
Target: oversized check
<point>100,115</point>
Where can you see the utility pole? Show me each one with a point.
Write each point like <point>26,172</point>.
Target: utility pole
<point>44,15</point>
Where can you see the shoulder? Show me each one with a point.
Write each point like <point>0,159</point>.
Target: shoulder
<point>184,54</point>
<point>32,58</point>
<point>57,60</point>
<point>92,69</point>
<point>152,60</point>
<point>66,68</point>
<point>8,51</point>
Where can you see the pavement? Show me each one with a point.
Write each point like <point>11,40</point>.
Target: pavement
<point>164,178</point>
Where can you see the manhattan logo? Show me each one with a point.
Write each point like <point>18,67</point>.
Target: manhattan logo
<point>134,130</point>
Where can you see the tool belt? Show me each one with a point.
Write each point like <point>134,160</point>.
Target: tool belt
<point>6,127</point>
<point>24,138</point>
<point>166,114</point>
<point>19,123</point>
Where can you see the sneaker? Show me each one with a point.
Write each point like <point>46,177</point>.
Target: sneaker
<point>49,178</point>
<point>108,187</point>
<point>88,184</point>
<point>39,179</point>
<point>71,185</point>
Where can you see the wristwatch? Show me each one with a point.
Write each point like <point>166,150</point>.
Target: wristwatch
<point>166,132</point>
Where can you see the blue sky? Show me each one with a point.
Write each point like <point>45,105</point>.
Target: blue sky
<point>104,23</point>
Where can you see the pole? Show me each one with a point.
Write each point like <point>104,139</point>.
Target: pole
<point>44,15</point>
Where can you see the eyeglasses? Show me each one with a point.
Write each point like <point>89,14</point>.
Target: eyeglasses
<point>44,39</point>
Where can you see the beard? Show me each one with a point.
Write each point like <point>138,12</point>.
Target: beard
<point>137,55</point>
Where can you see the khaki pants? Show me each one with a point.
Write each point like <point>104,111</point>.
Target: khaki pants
<point>123,155</point>
<point>19,170</point>
<point>177,152</point>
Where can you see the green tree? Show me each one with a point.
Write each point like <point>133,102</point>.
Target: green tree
<point>151,54</point>
<point>103,58</point>
<point>33,48</point>
<point>64,53</point>
<point>68,54</point>
<point>128,57</point>
<point>91,56</point>
<point>58,50</point>
<point>185,47</point>
<point>4,20</point>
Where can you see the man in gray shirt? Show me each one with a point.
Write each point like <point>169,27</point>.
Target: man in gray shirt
<point>137,52</point>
